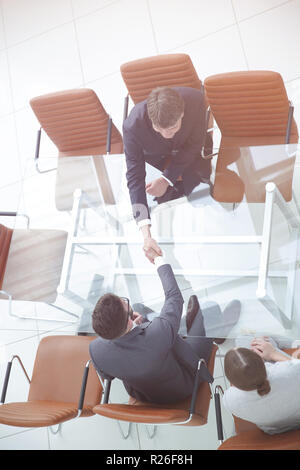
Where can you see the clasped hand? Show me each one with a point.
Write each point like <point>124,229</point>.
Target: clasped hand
<point>151,249</point>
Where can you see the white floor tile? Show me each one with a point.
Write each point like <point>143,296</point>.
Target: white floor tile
<point>2,35</point>
<point>5,92</point>
<point>271,40</point>
<point>245,9</point>
<point>27,127</point>
<point>84,7</point>
<point>33,439</point>
<point>26,18</point>
<point>44,64</point>
<point>102,49</point>
<point>178,23</point>
<point>93,433</point>
<point>9,151</point>
<point>224,45</point>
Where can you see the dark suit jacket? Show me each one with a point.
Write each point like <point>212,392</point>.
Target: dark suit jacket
<point>143,144</point>
<point>154,363</point>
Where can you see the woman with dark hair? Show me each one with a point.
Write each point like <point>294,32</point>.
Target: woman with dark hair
<point>265,385</point>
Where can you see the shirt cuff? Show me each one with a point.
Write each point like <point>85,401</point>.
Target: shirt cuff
<point>170,182</point>
<point>143,222</point>
<point>159,261</point>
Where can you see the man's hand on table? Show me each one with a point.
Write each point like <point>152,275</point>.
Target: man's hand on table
<point>157,187</point>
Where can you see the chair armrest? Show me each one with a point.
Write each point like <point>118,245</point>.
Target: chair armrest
<point>8,214</point>
<point>83,387</point>
<point>37,153</point>
<point>219,412</point>
<point>125,109</point>
<point>209,379</point>
<point>14,214</point>
<point>108,137</point>
<point>289,123</point>
<point>107,385</point>
<point>7,376</point>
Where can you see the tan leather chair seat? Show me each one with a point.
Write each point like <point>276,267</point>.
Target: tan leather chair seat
<point>258,440</point>
<point>37,413</point>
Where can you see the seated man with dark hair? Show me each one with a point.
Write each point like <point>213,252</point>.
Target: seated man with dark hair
<point>154,362</point>
<point>169,132</point>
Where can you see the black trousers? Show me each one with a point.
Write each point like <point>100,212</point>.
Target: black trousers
<point>197,335</point>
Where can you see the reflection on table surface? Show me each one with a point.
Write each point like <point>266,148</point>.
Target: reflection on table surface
<point>235,240</point>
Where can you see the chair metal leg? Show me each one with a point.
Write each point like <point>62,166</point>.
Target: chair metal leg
<point>127,434</point>
<point>151,434</point>
<point>55,431</point>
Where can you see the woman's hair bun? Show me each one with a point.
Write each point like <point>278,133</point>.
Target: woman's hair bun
<point>263,388</point>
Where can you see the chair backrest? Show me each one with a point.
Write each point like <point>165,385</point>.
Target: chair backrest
<point>143,75</point>
<point>76,122</point>
<point>34,264</point>
<point>5,239</point>
<point>250,104</point>
<point>251,108</point>
<point>58,371</point>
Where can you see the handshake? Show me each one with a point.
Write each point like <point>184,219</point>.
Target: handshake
<point>151,249</point>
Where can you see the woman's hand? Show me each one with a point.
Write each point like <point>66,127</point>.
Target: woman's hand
<point>264,348</point>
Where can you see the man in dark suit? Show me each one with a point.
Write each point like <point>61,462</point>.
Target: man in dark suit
<point>154,362</point>
<point>168,131</point>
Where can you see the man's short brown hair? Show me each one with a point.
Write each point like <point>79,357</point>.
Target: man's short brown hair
<point>165,107</point>
<point>109,317</point>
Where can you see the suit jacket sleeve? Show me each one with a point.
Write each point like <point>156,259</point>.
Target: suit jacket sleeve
<point>171,312</point>
<point>136,175</point>
<point>195,128</point>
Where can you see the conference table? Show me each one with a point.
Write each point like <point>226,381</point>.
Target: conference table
<point>236,238</point>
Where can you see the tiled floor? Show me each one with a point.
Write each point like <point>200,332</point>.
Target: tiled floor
<point>61,44</point>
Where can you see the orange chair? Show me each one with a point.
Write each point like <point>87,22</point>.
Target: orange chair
<point>189,412</point>
<point>250,437</point>
<point>78,125</point>
<point>141,76</point>
<point>30,265</point>
<point>251,108</point>
<point>63,385</point>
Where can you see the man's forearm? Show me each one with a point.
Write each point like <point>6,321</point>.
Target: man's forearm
<point>145,230</point>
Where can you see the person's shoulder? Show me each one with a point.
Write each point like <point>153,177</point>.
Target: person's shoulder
<point>97,344</point>
<point>190,93</point>
<point>136,116</point>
